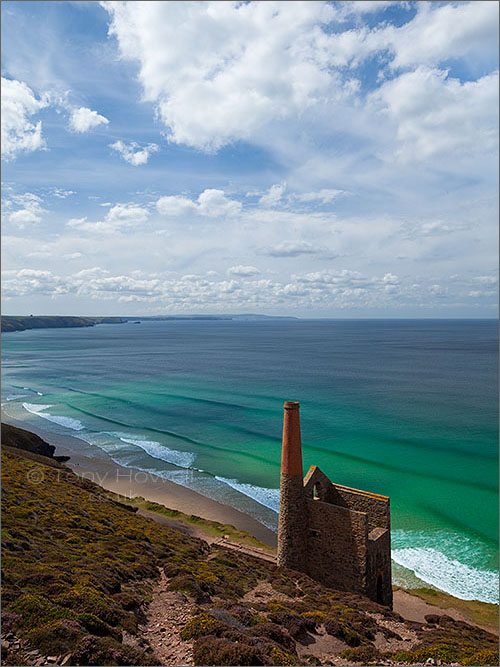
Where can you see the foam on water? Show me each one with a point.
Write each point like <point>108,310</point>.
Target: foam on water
<point>270,498</point>
<point>448,574</point>
<point>159,451</point>
<point>33,391</point>
<point>13,397</point>
<point>68,422</point>
<point>451,562</point>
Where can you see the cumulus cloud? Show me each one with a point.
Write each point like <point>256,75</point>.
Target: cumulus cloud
<point>253,63</point>
<point>272,196</point>
<point>260,63</point>
<point>434,113</point>
<point>343,289</point>
<point>448,31</point>
<point>119,218</point>
<point>19,133</point>
<point>214,203</point>
<point>242,271</point>
<point>175,206</point>
<point>84,119</point>
<point>211,203</point>
<point>132,153</point>
<point>31,211</point>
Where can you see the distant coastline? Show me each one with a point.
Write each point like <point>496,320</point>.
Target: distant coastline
<point>24,322</point>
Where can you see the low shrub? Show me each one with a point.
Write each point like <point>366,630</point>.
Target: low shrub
<point>200,625</point>
<point>220,651</point>
<point>56,636</point>
<point>363,654</point>
<point>483,657</point>
<point>273,632</point>
<point>105,651</point>
<point>280,657</point>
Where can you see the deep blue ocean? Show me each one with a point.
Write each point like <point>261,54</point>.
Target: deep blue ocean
<point>405,408</point>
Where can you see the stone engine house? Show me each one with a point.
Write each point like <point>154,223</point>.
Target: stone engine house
<point>337,535</point>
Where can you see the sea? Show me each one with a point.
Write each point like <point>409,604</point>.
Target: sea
<point>404,408</point>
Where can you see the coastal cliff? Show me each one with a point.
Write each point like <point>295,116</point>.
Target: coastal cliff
<point>88,582</point>
<point>21,323</point>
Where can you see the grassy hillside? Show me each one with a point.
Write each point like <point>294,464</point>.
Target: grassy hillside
<point>21,323</point>
<point>79,570</point>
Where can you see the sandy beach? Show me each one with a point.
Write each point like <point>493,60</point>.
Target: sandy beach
<point>131,483</point>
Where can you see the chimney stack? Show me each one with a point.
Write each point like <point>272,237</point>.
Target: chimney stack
<point>292,531</point>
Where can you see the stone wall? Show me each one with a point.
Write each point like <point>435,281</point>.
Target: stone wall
<point>378,567</point>
<point>377,507</point>
<point>337,553</point>
<point>292,524</point>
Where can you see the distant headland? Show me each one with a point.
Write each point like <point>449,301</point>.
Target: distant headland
<point>23,322</point>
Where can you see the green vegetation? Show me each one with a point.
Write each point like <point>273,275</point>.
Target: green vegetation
<point>481,613</point>
<point>208,527</point>
<point>23,322</point>
<point>79,570</point>
<point>76,564</point>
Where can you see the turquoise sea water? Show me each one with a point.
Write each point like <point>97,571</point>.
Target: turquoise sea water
<point>405,408</point>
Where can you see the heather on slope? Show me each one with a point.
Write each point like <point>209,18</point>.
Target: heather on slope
<point>80,572</point>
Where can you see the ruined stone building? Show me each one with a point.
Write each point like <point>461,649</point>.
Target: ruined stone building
<point>337,535</point>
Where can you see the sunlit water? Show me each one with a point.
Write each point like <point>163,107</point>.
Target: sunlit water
<point>403,408</point>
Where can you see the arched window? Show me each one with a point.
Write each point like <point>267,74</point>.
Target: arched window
<point>316,491</point>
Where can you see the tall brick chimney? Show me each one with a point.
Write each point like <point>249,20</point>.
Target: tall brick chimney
<point>292,524</point>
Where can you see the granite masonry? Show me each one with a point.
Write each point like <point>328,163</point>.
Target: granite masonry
<point>337,535</point>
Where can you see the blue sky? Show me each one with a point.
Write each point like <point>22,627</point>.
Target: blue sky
<point>305,158</point>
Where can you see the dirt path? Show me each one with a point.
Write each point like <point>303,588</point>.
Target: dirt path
<point>195,531</point>
<point>167,614</point>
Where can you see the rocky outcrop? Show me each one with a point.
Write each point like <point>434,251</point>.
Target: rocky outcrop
<point>30,442</point>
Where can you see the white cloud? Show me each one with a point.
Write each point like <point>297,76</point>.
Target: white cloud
<point>325,195</point>
<point>59,193</point>
<point>273,196</point>
<point>242,271</point>
<point>132,153</point>
<point>31,211</point>
<point>24,217</point>
<point>344,289</point>
<point>83,120</point>
<point>211,203</point>
<point>120,217</point>
<point>175,206</point>
<point>435,114</point>
<point>19,134</point>
<point>448,31</point>
<point>253,63</point>
<point>214,203</point>
<point>291,249</point>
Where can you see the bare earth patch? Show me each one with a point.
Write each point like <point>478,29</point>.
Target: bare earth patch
<point>167,614</point>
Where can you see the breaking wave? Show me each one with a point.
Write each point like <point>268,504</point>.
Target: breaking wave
<point>270,498</point>
<point>159,451</point>
<point>444,561</point>
<point>68,422</point>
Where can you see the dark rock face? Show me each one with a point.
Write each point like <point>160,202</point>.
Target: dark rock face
<point>21,439</point>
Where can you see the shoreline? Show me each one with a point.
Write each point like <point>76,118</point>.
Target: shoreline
<point>133,483</point>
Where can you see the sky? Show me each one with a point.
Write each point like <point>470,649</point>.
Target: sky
<point>315,159</point>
